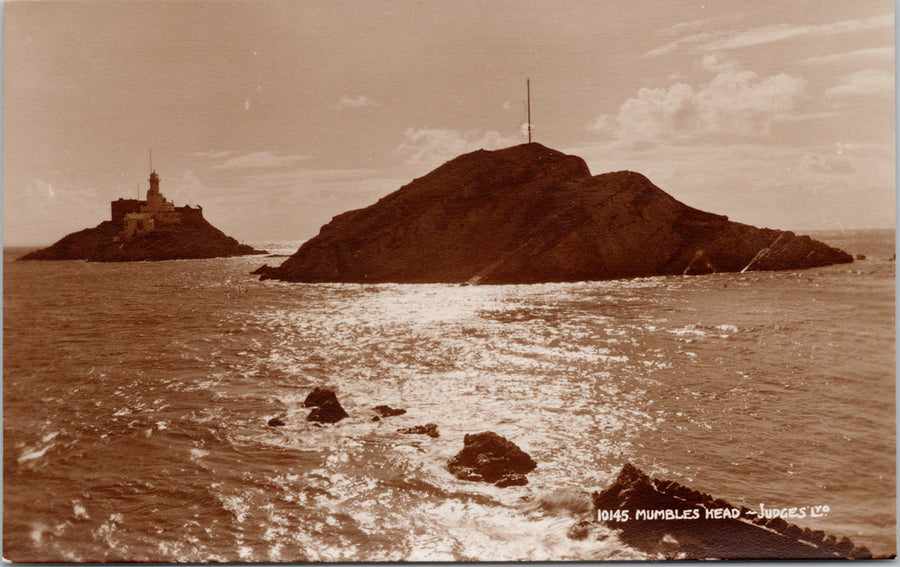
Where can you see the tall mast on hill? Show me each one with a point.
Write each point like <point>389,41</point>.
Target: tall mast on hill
<point>528,89</point>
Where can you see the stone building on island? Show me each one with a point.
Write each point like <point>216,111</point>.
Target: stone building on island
<point>142,230</point>
<point>140,217</point>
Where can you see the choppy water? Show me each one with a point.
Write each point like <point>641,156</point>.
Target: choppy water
<point>136,398</point>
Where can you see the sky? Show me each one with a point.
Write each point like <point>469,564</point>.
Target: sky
<point>276,115</point>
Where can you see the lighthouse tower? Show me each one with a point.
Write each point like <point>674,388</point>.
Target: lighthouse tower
<point>154,183</point>
<point>162,211</point>
<point>155,201</point>
<point>139,217</point>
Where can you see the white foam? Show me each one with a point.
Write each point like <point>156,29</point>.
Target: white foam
<point>37,532</point>
<point>79,510</point>
<point>31,454</point>
<point>197,453</point>
<point>245,552</point>
<point>689,330</point>
<point>236,505</point>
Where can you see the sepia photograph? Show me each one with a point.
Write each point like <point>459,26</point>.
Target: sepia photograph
<point>291,281</point>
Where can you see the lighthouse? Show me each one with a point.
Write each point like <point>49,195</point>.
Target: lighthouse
<point>154,183</point>
<point>156,204</point>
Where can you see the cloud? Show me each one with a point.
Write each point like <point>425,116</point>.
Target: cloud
<point>784,186</point>
<point>252,97</point>
<point>884,54</point>
<point>43,190</point>
<point>725,40</point>
<point>695,26</point>
<point>735,103</point>
<point>188,187</point>
<point>213,155</point>
<point>259,159</point>
<point>865,82</point>
<point>718,63</point>
<point>436,145</point>
<point>359,101</point>
<point>41,211</point>
<point>827,163</point>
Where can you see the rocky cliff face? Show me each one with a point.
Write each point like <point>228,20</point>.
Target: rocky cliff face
<point>193,238</point>
<point>530,214</point>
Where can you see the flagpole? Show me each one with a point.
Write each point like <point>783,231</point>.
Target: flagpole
<point>528,88</point>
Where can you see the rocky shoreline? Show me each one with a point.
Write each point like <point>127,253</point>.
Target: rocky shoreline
<point>664,517</point>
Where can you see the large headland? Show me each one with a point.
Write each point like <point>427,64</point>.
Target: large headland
<point>531,214</point>
<point>149,229</point>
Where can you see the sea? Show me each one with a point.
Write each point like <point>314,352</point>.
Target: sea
<point>136,398</point>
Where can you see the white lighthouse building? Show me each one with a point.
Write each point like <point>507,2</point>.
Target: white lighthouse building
<point>153,212</point>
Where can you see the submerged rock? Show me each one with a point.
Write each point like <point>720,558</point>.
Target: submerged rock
<point>860,553</point>
<point>674,521</point>
<point>488,457</point>
<point>530,214</point>
<point>388,411</point>
<point>581,530</point>
<point>329,412</point>
<point>275,422</point>
<point>429,429</point>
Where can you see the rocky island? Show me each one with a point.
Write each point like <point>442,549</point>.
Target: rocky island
<point>530,214</point>
<point>153,229</point>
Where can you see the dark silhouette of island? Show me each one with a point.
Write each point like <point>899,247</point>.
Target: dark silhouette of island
<point>154,229</point>
<point>530,214</point>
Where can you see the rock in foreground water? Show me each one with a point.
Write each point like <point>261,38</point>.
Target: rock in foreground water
<point>663,517</point>
<point>429,429</point>
<point>530,214</point>
<point>388,411</point>
<point>326,407</point>
<point>329,412</point>
<point>318,397</point>
<point>488,457</point>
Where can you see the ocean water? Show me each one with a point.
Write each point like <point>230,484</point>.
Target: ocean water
<point>136,397</point>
